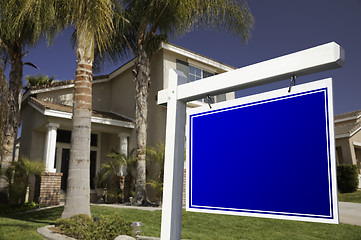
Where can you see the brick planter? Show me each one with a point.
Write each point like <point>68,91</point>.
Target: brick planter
<point>49,189</point>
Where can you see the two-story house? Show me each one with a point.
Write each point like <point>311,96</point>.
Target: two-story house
<point>47,111</point>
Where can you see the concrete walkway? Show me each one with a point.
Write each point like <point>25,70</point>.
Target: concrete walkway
<point>126,206</point>
<point>350,213</point>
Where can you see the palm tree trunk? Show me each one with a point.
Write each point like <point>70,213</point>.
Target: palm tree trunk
<point>14,104</point>
<point>78,190</point>
<point>142,72</point>
<point>3,105</point>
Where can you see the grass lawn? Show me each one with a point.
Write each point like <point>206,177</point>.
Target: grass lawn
<point>24,225</point>
<point>194,226</point>
<point>350,197</point>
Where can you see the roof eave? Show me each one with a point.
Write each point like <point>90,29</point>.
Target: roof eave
<point>94,119</point>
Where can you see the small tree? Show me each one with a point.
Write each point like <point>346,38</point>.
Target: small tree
<point>117,168</point>
<point>156,155</point>
<point>17,177</point>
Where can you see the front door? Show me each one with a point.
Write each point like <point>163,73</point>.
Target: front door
<point>93,161</point>
<point>65,156</point>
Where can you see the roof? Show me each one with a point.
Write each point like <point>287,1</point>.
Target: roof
<point>348,115</point>
<point>167,46</point>
<point>43,106</point>
<point>53,84</point>
<point>347,124</point>
<point>346,130</point>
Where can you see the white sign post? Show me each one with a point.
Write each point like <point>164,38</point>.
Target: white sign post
<point>317,59</point>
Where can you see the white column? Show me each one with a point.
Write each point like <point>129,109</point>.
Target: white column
<point>123,147</point>
<point>49,147</point>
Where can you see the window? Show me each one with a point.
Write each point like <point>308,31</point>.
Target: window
<point>194,73</point>
<point>197,74</point>
<point>94,140</point>
<point>64,136</point>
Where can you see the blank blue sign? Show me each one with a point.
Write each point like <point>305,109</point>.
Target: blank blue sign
<point>270,155</point>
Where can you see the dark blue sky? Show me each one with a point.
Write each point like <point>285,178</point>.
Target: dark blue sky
<point>281,27</point>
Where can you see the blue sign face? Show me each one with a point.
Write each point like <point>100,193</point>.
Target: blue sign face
<point>269,155</point>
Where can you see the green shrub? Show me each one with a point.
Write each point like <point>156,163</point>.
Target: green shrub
<point>17,178</point>
<point>347,178</point>
<point>76,226</point>
<point>105,227</point>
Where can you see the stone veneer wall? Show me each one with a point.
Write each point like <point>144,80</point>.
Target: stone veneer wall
<point>48,193</point>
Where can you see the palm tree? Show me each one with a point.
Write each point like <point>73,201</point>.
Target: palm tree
<point>37,80</point>
<point>22,24</point>
<point>3,105</point>
<point>151,22</point>
<point>93,23</point>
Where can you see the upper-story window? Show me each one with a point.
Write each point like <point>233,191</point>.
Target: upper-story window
<point>194,73</point>
<point>197,73</point>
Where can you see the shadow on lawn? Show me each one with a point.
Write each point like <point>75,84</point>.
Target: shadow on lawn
<point>46,216</point>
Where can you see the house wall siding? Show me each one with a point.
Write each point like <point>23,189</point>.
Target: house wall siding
<point>32,137</point>
<point>60,96</point>
<point>102,96</point>
<point>156,113</point>
<point>123,94</point>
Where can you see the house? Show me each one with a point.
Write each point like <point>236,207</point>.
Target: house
<point>47,112</point>
<point>348,139</point>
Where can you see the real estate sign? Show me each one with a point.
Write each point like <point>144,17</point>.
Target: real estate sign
<point>269,155</point>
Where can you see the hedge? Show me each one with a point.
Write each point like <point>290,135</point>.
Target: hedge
<point>347,178</point>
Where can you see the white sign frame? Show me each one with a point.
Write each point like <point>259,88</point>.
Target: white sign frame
<point>321,86</point>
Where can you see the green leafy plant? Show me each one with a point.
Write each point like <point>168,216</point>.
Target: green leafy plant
<point>104,227</point>
<point>100,181</point>
<point>158,188</point>
<point>347,178</point>
<point>17,177</point>
<point>118,169</point>
<point>156,155</point>
<point>37,80</point>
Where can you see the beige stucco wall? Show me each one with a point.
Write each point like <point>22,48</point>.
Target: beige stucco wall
<point>356,149</point>
<point>62,96</point>
<point>169,62</point>
<point>102,96</point>
<point>109,142</point>
<point>123,94</point>
<point>32,135</point>
<point>349,150</point>
<point>170,59</point>
<point>156,113</point>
